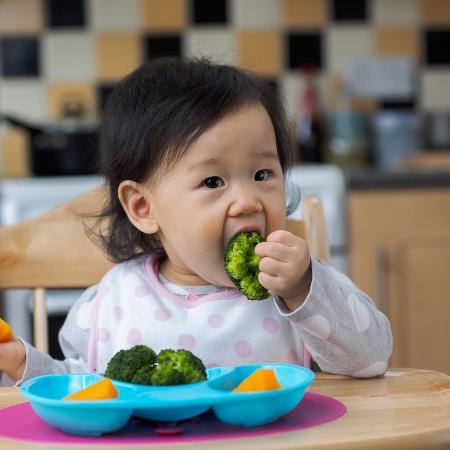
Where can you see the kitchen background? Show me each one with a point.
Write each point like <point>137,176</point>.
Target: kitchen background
<point>365,82</point>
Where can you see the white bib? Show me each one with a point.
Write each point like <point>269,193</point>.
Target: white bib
<point>223,328</point>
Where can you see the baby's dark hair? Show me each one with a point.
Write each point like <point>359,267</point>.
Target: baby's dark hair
<point>152,117</point>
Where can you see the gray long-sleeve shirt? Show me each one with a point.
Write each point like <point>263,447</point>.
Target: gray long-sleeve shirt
<point>339,325</point>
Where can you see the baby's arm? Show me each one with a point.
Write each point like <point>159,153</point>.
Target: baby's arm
<point>340,325</point>
<point>73,339</point>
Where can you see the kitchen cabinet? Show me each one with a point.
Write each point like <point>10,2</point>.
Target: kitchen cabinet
<point>399,253</point>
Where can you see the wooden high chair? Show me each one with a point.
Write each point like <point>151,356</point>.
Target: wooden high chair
<point>52,251</point>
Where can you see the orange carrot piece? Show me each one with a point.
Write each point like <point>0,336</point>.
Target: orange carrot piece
<point>101,390</point>
<point>5,331</point>
<point>259,380</point>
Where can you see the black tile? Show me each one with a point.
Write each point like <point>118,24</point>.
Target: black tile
<point>65,13</point>
<point>155,46</point>
<point>349,10</point>
<point>209,11</point>
<point>19,57</point>
<point>304,49</point>
<point>437,46</point>
<point>397,104</point>
<point>103,91</point>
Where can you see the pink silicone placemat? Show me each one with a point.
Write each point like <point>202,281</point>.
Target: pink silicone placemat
<point>19,422</point>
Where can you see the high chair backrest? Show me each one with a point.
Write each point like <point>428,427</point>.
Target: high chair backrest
<point>53,251</point>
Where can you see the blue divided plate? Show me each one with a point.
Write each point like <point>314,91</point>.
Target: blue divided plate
<point>166,403</point>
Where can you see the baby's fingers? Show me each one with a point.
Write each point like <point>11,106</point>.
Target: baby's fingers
<point>273,250</point>
<point>271,266</point>
<point>272,283</point>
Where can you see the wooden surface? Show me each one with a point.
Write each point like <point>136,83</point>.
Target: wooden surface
<point>405,409</point>
<point>53,250</point>
<point>399,243</point>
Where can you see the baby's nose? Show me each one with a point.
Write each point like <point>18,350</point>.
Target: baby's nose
<point>245,202</point>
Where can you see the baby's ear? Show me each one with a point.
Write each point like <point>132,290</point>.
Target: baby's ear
<point>136,202</point>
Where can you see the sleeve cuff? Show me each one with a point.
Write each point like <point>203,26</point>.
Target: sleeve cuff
<point>284,311</point>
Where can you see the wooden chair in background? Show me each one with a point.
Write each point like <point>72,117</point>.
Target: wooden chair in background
<point>53,251</point>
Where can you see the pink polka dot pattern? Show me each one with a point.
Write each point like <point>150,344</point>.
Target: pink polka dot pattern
<point>117,313</point>
<point>243,349</point>
<point>161,314</point>
<point>134,336</point>
<point>270,325</point>
<point>142,291</point>
<point>216,320</point>
<point>187,341</point>
<point>103,335</point>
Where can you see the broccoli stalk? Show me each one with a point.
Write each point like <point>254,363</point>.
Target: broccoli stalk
<point>242,265</point>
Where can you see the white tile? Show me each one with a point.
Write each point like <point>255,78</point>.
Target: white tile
<point>114,15</point>
<point>216,44</point>
<point>345,43</point>
<point>255,13</point>
<point>68,56</point>
<point>435,89</point>
<point>396,11</point>
<point>24,98</point>
<point>291,88</point>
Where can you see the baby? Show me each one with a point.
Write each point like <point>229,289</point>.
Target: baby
<point>194,152</point>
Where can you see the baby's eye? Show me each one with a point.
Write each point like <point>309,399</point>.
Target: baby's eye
<point>262,175</point>
<point>213,182</point>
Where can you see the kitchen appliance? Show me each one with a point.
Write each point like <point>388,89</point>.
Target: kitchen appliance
<point>65,147</point>
<point>398,135</point>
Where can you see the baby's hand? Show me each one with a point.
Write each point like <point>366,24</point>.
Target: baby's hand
<point>12,358</point>
<point>12,352</point>
<point>285,267</point>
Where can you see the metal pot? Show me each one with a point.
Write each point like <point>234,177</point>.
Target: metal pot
<point>67,147</point>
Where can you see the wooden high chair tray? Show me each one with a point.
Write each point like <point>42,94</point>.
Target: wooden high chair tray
<point>405,409</point>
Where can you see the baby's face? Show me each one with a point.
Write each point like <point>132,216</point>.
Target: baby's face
<point>229,180</point>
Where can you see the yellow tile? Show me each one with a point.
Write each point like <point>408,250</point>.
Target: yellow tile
<point>117,54</point>
<point>62,96</point>
<point>14,155</point>
<point>304,13</point>
<point>435,12</point>
<point>397,41</point>
<point>21,16</point>
<point>162,15</point>
<point>260,51</point>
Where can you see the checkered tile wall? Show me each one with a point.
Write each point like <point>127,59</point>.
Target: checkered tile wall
<point>52,51</point>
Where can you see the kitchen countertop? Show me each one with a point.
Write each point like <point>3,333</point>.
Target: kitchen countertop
<point>377,179</point>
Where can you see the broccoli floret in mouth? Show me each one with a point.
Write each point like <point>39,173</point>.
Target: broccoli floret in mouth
<point>242,264</point>
<point>141,365</point>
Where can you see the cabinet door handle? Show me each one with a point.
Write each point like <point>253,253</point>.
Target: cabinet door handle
<point>381,279</point>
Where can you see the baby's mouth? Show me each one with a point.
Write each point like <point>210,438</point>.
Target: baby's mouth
<point>244,229</point>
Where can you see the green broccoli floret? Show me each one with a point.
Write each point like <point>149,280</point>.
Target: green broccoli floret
<point>166,375</point>
<point>177,367</point>
<point>125,363</point>
<point>242,264</point>
<point>141,365</point>
<point>143,375</point>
